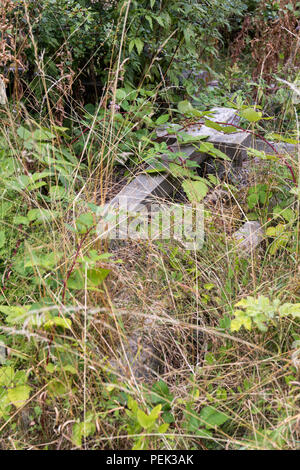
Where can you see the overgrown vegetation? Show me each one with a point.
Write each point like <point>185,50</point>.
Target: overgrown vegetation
<point>87,84</point>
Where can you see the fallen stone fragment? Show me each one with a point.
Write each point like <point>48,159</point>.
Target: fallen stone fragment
<point>139,359</point>
<point>280,147</point>
<point>248,237</point>
<point>142,189</point>
<point>3,353</point>
<point>3,97</point>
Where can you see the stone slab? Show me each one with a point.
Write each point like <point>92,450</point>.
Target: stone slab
<point>248,237</point>
<point>234,144</point>
<point>281,147</point>
<point>143,189</point>
<point>3,353</point>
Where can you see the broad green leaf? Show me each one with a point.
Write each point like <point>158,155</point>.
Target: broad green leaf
<point>21,220</point>
<point>65,323</point>
<point>19,395</point>
<point>42,215</point>
<point>251,115</point>
<point>2,238</point>
<point>219,127</point>
<point>163,428</point>
<point>121,94</point>
<point>94,278</point>
<point>213,417</point>
<point>181,172</point>
<point>241,319</point>
<point>139,45</point>
<point>162,119</point>
<point>155,412</point>
<point>7,374</point>
<point>57,193</point>
<point>77,434</point>
<point>85,222</point>
<point>25,134</point>
<point>43,135</point>
<point>81,430</point>
<point>146,421</point>
<point>195,190</point>
<point>57,388</point>
<point>143,419</point>
<point>15,314</point>
<point>185,107</point>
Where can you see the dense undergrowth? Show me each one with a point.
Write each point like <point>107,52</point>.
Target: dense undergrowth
<point>88,83</point>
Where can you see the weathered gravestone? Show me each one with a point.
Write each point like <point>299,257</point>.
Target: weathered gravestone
<point>146,187</point>
<point>248,237</point>
<point>234,145</point>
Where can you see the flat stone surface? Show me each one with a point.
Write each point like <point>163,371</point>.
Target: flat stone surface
<point>227,115</point>
<point>142,189</point>
<point>234,144</point>
<point>248,237</point>
<point>3,97</point>
<point>3,353</point>
<point>280,147</point>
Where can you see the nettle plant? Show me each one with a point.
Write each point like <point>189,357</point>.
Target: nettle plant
<point>261,312</point>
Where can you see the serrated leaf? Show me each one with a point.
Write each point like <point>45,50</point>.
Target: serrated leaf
<point>7,374</point>
<point>195,190</point>
<point>139,45</point>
